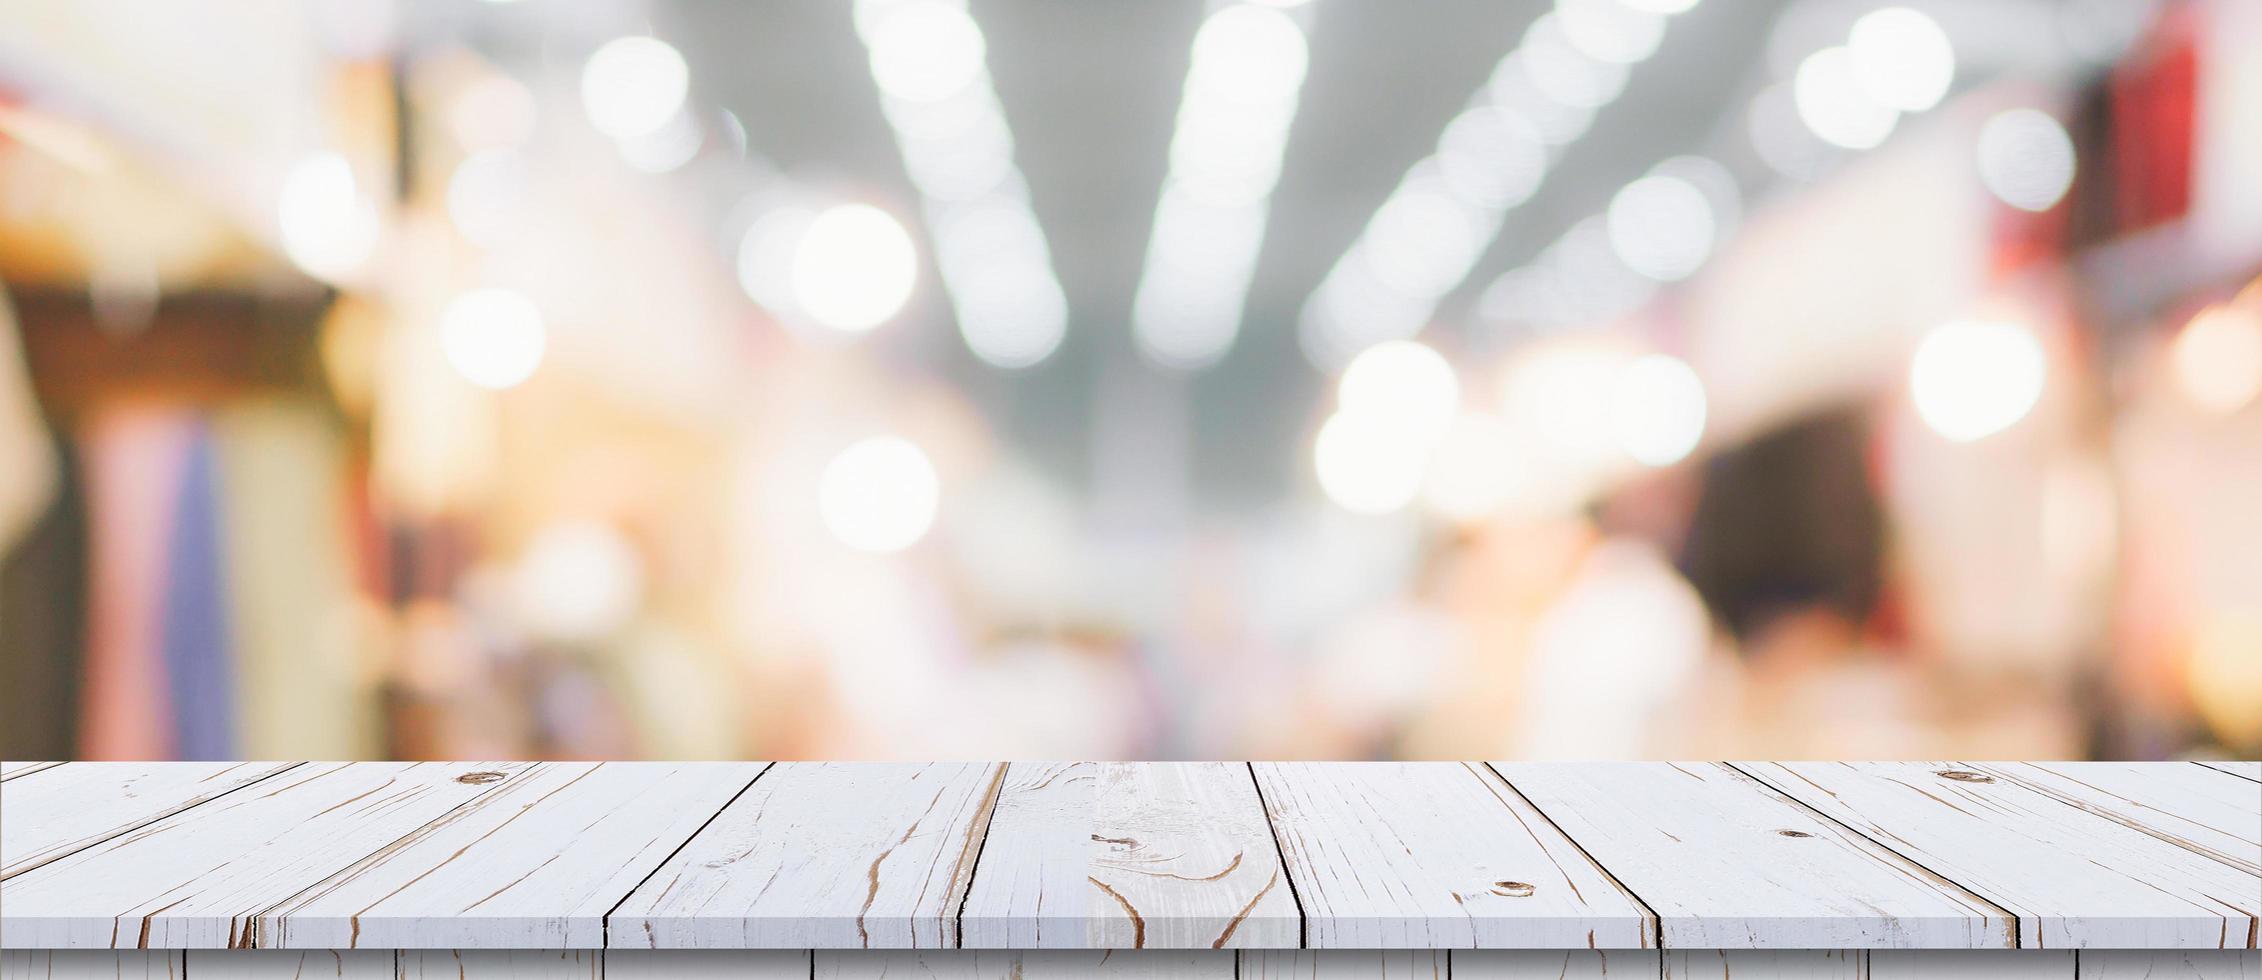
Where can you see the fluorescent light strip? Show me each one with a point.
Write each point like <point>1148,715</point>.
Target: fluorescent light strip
<point>1446,211</point>
<point>928,58</point>
<point>1240,96</point>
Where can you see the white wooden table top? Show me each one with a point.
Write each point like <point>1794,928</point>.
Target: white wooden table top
<point>1027,856</point>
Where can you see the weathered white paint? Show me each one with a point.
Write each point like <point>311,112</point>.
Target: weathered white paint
<point>292,964</point>
<point>61,809</point>
<point>2250,770</point>
<point>1727,863</point>
<point>1765,964</point>
<point>2194,807</point>
<point>2196,964</point>
<point>1113,855</point>
<point>1555,964</point>
<point>823,855</point>
<point>2075,879</point>
<point>707,964</point>
<point>195,879</point>
<point>89,964</point>
<point>501,964</point>
<point>1345,964</point>
<point>535,864</point>
<point>1992,964</point>
<point>10,770</point>
<point>1437,855</point>
<point>1049,964</point>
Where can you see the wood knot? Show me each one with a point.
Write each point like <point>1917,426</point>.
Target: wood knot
<point>1512,889</point>
<point>1792,833</point>
<point>1124,842</point>
<point>1965,776</point>
<point>480,778</point>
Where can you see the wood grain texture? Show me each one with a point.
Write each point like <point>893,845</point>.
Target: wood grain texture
<point>1345,964</point>
<point>2189,806</point>
<point>195,879</point>
<point>1765,964</point>
<point>90,964</point>
<point>61,809</point>
<point>823,855</point>
<point>1728,863</point>
<point>2074,879</point>
<point>501,964</point>
<point>1436,855</point>
<point>292,964</point>
<point>1092,855</point>
<point>2250,770</point>
<point>534,864</point>
<point>1050,964</point>
<point>707,964</point>
<point>10,770</point>
<point>1555,964</point>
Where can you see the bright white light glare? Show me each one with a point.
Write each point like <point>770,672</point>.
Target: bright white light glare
<point>1657,407</point>
<point>1491,157</point>
<point>1421,242</point>
<point>1971,379</point>
<point>1473,473</point>
<point>2026,159</point>
<point>854,267</point>
<point>1560,71</point>
<point>1562,393</point>
<point>1833,103</point>
<point>880,494</point>
<point>633,85</point>
<point>1366,465</point>
<point>487,196</point>
<point>1403,384</point>
<point>493,337</point>
<point>1610,30</point>
<point>327,227</point>
<point>765,257</point>
<point>1247,69</point>
<point>925,50</point>
<point>1662,6</point>
<point>666,148</point>
<point>2217,359</point>
<point>1661,227</point>
<point>1247,53</point>
<point>1902,58</point>
<point>578,581</point>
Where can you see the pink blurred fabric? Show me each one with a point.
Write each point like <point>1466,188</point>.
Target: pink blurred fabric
<point>134,461</point>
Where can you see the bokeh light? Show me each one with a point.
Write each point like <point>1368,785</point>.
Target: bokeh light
<point>1401,384</point>
<point>854,267</point>
<point>1367,465</point>
<point>1662,226</point>
<point>1902,58</point>
<point>1836,106</point>
<point>2217,358</point>
<point>1658,410</point>
<point>493,337</point>
<point>879,495</point>
<point>1973,378</point>
<point>632,86</point>
<point>578,581</point>
<point>925,50</point>
<point>328,227</point>
<point>2026,159</point>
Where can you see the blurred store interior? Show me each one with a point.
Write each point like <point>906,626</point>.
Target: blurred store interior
<point>1178,379</point>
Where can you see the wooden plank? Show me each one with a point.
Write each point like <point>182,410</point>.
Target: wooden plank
<point>1092,855</point>
<point>194,880</point>
<point>501,964</point>
<point>2073,878</point>
<point>1765,964</point>
<point>1433,855</point>
<point>1953,964</point>
<point>291,964</point>
<point>2197,964</point>
<point>1555,964</point>
<point>707,964</point>
<point>2250,770</point>
<point>1345,964</point>
<point>69,808</point>
<point>90,964</point>
<point>823,855</point>
<point>534,864</point>
<point>1727,863</point>
<point>2188,806</point>
<point>1051,964</point>
<point>10,770</point>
